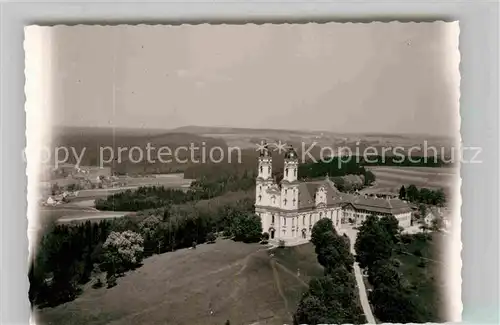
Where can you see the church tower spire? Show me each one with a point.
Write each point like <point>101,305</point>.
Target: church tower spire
<point>264,176</point>
<point>289,184</point>
<point>291,165</point>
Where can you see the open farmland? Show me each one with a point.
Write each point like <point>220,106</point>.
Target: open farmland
<point>392,178</point>
<point>242,283</point>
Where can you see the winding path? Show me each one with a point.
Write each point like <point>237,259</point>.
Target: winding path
<point>363,297</point>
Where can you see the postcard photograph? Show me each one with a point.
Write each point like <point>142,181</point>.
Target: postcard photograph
<point>244,174</point>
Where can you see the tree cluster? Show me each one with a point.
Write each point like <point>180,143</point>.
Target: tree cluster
<point>393,299</point>
<point>332,298</point>
<point>65,260</point>
<point>153,197</point>
<point>423,195</point>
<point>335,167</point>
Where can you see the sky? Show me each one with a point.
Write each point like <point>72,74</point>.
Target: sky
<point>377,77</point>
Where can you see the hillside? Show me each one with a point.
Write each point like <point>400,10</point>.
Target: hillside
<point>213,283</point>
<point>94,140</point>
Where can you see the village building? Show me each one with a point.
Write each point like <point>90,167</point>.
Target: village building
<point>289,210</point>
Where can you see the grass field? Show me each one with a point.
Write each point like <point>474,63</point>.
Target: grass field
<point>426,278</point>
<point>243,283</point>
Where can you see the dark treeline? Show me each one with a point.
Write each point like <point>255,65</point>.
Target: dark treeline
<point>72,255</point>
<point>158,196</point>
<point>332,298</point>
<point>423,195</point>
<point>394,298</point>
<point>335,167</point>
<point>64,261</point>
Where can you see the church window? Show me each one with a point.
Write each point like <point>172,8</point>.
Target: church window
<point>260,198</point>
<point>286,171</point>
<point>303,220</point>
<point>321,215</point>
<point>260,188</point>
<point>284,201</point>
<point>310,218</point>
<point>295,172</point>
<point>293,222</point>
<point>286,191</point>
<point>269,170</point>
<point>274,199</point>
<point>261,169</point>
<point>294,202</point>
<point>272,218</point>
<point>284,221</point>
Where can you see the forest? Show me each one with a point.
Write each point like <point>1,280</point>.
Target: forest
<point>158,196</point>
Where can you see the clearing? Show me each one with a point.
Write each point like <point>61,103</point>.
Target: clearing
<point>242,283</point>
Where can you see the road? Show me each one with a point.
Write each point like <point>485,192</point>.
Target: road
<point>363,297</point>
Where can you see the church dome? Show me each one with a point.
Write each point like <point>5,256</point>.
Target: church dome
<point>291,154</point>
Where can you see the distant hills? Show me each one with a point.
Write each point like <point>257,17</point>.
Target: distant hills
<point>94,138</point>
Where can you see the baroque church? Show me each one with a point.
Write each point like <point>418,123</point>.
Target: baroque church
<point>290,209</point>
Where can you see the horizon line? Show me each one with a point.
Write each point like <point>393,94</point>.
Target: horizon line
<point>176,129</point>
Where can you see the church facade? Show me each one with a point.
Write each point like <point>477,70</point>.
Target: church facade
<point>289,210</point>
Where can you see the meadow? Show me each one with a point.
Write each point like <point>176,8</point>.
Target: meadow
<point>242,283</point>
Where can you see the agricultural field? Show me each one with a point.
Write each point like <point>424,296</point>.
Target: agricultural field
<point>242,283</point>
<point>390,179</point>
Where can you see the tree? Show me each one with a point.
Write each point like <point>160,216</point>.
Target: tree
<point>437,223</point>
<point>373,242</point>
<point>402,193</point>
<point>211,237</point>
<point>122,251</point>
<point>335,252</point>
<point>311,310</point>
<point>384,272</point>
<point>391,225</point>
<point>369,177</point>
<point>440,197</point>
<point>329,302</point>
<point>422,209</point>
<point>412,193</point>
<point>111,280</point>
<point>247,228</point>
<point>340,275</point>
<point>152,231</point>
<point>320,232</point>
<point>396,305</point>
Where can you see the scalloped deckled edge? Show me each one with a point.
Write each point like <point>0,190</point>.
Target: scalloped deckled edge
<point>239,24</point>
<point>32,108</point>
<point>38,120</point>
<point>455,247</point>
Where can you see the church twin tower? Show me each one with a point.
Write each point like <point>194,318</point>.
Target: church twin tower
<point>268,193</point>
